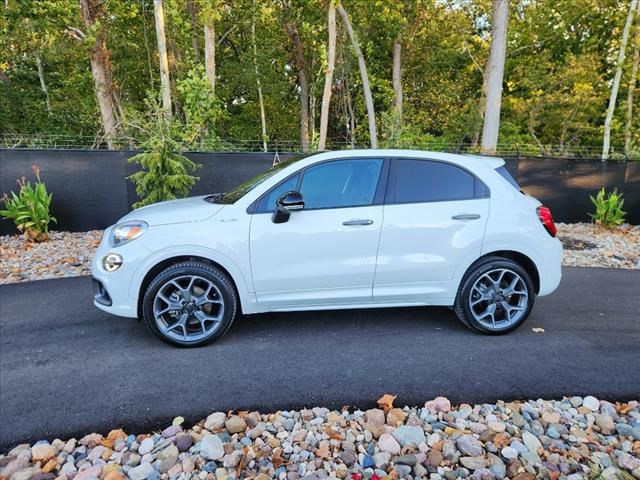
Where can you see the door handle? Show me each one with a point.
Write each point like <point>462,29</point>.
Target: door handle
<point>360,221</point>
<point>466,216</point>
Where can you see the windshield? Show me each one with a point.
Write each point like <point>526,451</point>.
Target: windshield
<point>241,190</point>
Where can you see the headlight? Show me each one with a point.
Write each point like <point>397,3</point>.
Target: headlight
<point>125,232</point>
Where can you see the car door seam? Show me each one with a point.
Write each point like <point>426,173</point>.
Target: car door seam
<point>375,269</point>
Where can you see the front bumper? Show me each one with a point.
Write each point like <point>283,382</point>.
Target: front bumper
<point>113,290</point>
<point>100,294</point>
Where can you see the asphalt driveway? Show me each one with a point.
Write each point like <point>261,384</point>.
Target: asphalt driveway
<point>68,369</point>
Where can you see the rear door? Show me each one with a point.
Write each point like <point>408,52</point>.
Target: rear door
<point>435,215</point>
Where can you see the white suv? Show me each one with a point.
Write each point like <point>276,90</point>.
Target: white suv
<point>336,230</point>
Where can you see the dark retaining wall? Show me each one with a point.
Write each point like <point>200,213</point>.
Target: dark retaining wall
<point>90,190</point>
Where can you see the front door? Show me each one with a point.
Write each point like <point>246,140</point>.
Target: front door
<point>326,253</point>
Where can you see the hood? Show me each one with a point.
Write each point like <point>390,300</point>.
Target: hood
<point>193,209</point>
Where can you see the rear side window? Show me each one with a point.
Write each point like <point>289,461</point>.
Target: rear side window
<point>507,176</point>
<point>418,181</point>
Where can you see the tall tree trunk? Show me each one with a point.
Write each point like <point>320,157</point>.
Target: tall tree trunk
<point>192,8</point>
<point>368,98</point>
<point>616,81</point>
<point>312,115</point>
<point>328,78</point>
<point>210,53</point>
<point>92,11</point>
<point>477,126</point>
<point>146,46</point>
<point>165,84</point>
<point>298,52</point>
<point>352,116</point>
<point>397,78</point>
<point>43,82</point>
<point>495,75</point>
<point>632,84</point>
<point>263,119</point>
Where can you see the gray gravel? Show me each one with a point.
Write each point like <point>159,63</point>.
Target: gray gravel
<point>573,438</point>
<point>586,245</point>
<point>65,254</point>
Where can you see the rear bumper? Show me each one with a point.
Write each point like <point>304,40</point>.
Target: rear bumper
<point>551,271</point>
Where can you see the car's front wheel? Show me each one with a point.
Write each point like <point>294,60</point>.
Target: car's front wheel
<point>190,304</point>
<point>496,295</point>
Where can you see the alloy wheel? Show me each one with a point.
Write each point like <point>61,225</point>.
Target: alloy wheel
<point>498,299</point>
<point>188,308</point>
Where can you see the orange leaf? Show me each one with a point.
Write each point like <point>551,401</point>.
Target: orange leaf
<point>385,402</point>
<point>623,408</point>
<point>112,437</point>
<point>276,458</point>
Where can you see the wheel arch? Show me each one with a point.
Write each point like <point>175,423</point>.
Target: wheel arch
<point>167,262</point>
<point>521,259</point>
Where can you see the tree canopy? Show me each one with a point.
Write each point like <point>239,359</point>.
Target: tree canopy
<point>560,64</point>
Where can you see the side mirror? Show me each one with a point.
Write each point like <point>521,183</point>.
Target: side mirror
<point>287,203</point>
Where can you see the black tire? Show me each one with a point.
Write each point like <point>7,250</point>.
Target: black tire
<point>209,272</point>
<point>462,307</point>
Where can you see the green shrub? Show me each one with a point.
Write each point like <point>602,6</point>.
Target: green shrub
<point>164,173</point>
<point>201,109</point>
<point>609,211</point>
<point>29,209</point>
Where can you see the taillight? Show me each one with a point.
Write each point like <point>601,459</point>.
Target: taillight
<point>544,214</point>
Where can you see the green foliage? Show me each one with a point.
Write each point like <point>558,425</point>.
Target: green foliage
<point>200,107</point>
<point>396,135</point>
<point>560,59</point>
<point>29,209</point>
<point>609,211</point>
<point>164,171</point>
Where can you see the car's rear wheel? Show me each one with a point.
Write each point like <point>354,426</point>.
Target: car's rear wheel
<point>496,295</point>
<point>190,304</point>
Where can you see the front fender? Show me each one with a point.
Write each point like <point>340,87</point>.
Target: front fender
<point>247,298</point>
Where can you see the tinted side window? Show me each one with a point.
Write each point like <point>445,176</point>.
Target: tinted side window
<point>268,202</point>
<point>507,176</point>
<point>428,181</point>
<point>342,183</point>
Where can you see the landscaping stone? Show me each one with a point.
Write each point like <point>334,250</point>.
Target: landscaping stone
<point>439,442</point>
<point>215,421</point>
<point>211,448</point>
<point>235,424</point>
<point>591,403</point>
<point>409,436</point>
<point>469,445</point>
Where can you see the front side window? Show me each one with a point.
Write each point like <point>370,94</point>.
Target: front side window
<point>418,181</point>
<point>341,183</point>
<point>268,202</point>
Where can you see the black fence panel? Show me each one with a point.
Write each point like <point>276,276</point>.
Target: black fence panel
<point>565,185</point>
<point>632,193</point>
<point>90,189</point>
<point>218,172</point>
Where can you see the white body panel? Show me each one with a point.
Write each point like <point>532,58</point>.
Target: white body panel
<point>313,258</point>
<point>411,254</point>
<point>421,247</point>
